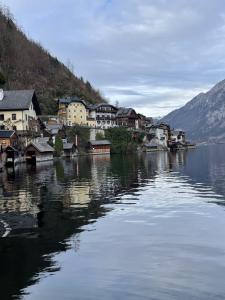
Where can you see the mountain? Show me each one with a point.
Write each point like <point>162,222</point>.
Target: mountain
<point>203,118</point>
<point>24,64</point>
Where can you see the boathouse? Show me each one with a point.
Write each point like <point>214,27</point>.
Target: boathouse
<point>99,147</point>
<point>12,156</point>
<point>37,152</point>
<point>8,138</point>
<point>69,150</point>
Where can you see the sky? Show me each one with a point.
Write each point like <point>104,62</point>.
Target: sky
<point>152,55</point>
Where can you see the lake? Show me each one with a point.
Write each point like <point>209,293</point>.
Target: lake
<point>148,226</point>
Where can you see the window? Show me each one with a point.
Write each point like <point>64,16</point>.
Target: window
<point>13,116</point>
<point>1,117</point>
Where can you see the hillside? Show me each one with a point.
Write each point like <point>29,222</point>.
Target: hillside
<point>203,118</point>
<point>24,64</point>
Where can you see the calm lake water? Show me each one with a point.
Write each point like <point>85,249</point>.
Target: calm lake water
<point>150,226</point>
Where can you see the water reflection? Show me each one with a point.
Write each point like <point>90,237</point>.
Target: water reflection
<point>49,206</point>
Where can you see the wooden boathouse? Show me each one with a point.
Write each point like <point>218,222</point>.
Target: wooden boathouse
<point>37,152</point>
<point>99,147</point>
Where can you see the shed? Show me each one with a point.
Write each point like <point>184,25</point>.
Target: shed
<point>36,152</point>
<point>8,138</point>
<point>69,150</point>
<point>100,147</point>
<point>12,156</point>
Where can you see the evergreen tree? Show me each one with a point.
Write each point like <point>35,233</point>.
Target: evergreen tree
<point>58,145</point>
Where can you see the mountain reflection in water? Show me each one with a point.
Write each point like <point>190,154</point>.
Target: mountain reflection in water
<point>69,206</point>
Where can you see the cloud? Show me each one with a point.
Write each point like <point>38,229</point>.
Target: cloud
<point>153,55</point>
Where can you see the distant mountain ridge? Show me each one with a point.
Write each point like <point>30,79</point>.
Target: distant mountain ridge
<point>24,64</point>
<point>203,118</point>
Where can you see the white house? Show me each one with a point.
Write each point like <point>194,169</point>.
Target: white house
<point>18,110</point>
<point>159,135</point>
<point>178,136</point>
<point>105,115</point>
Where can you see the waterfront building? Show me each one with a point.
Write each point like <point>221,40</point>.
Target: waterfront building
<point>127,117</point>
<point>75,111</point>
<point>19,110</point>
<point>8,138</point>
<point>159,135</point>
<point>177,136</point>
<point>69,150</point>
<point>105,115</point>
<point>37,152</point>
<point>12,156</point>
<point>144,123</point>
<point>99,147</point>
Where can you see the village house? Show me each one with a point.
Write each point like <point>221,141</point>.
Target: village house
<point>74,111</point>
<point>99,147</point>
<point>127,117</point>
<point>105,115</point>
<point>19,110</point>
<point>8,138</point>
<point>37,152</point>
<point>144,122</point>
<point>159,134</point>
<point>91,115</point>
<point>177,136</point>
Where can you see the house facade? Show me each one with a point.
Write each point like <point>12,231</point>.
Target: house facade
<point>19,110</point>
<point>177,136</point>
<point>105,115</point>
<point>127,117</point>
<point>75,111</point>
<point>159,135</point>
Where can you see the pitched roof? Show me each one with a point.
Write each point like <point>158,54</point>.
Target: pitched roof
<point>124,112</point>
<point>41,147</point>
<point>42,139</point>
<point>74,99</point>
<point>16,100</point>
<point>99,105</point>
<point>10,148</point>
<point>67,146</point>
<point>100,142</point>
<point>54,126</point>
<point>6,133</point>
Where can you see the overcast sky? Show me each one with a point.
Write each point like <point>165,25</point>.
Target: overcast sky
<point>153,55</point>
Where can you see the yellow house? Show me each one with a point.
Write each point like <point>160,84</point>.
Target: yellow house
<point>18,109</point>
<point>76,111</point>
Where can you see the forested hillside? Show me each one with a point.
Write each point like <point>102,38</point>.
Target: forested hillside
<point>24,64</point>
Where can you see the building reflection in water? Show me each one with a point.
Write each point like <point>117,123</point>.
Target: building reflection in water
<point>48,206</point>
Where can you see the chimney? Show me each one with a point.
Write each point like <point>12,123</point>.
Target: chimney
<point>1,94</point>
